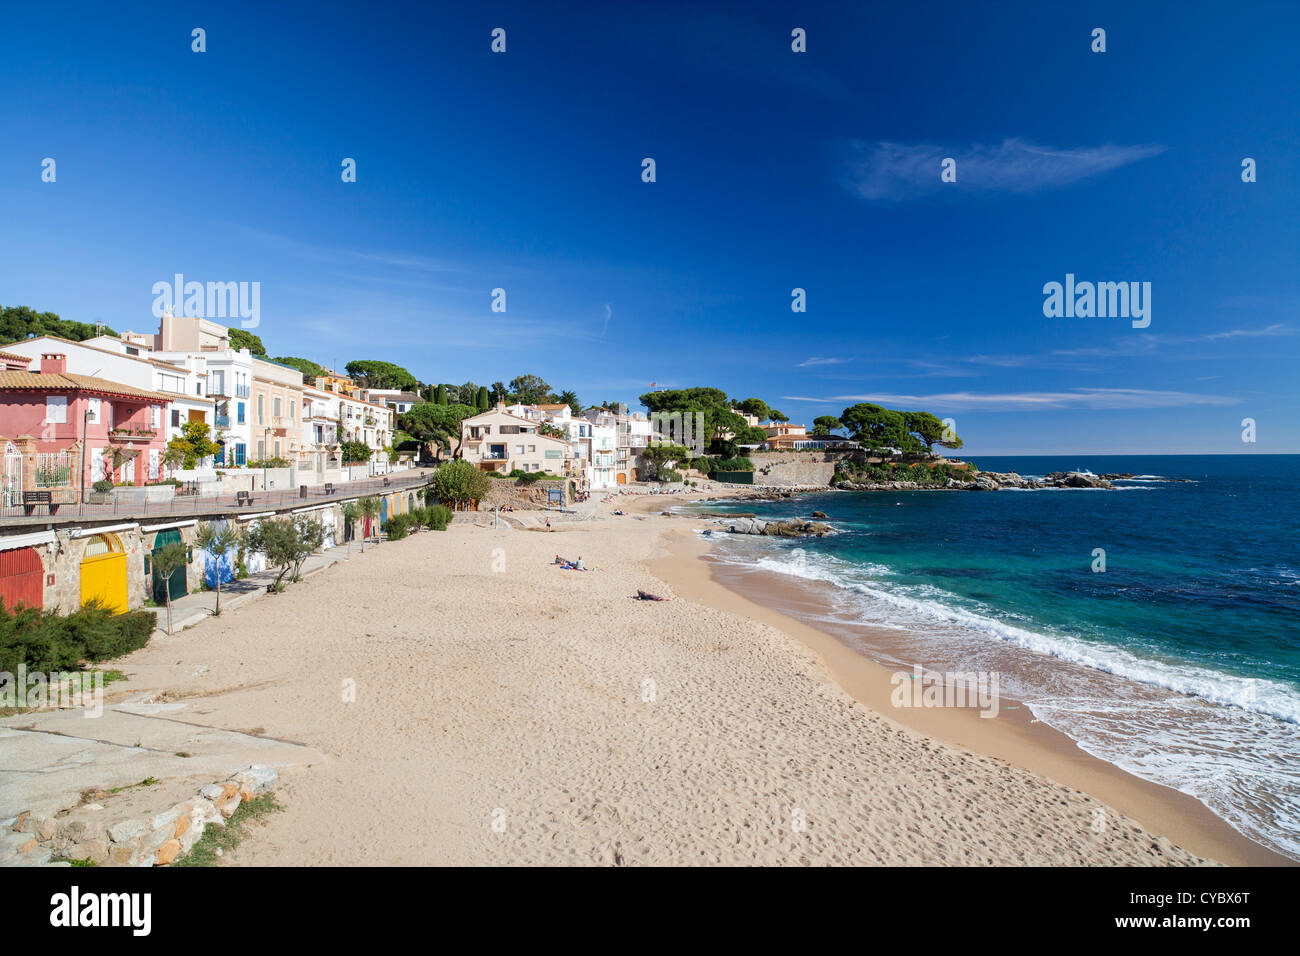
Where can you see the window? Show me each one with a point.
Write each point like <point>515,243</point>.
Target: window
<point>277,448</point>
<point>532,448</point>
<point>176,418</point>
<point>519,449</point>
<point>276,408</point>
<point>291,404</point>
<point>239,412</point>
<point>261,409</point>
<point>261,448</point>
<point>56,409</point>
<point>239,454</point>
<point>92,411</point>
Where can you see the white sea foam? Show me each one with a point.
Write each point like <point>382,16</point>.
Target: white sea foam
<point>1229,741</point>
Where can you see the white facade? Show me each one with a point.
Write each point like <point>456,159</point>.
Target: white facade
<point>499,441</point>
<point>108,358</point>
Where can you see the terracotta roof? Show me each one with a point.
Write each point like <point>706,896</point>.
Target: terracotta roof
<point>171,366</point>
<point>50,381</point>
<point>552,408</point>
<point>14,355</point>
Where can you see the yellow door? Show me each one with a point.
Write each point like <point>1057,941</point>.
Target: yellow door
<point>103,576</point>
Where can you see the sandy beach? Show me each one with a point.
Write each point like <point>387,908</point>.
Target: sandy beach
<point>510,712</point>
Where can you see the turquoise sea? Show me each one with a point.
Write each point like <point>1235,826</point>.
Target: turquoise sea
<point>1180,661</point>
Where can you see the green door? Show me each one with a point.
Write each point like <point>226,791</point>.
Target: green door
<point>177,583</point>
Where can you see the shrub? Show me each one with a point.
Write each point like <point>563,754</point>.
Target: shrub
<point>668,474</point>
<point>459,483</point>
<point>398,526</point>
<point>103,485</point>
<point>438,517</point>
<point>49,641</point>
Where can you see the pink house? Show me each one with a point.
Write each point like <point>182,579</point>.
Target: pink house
<point>46,417</point>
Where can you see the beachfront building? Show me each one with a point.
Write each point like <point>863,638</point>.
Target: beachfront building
<point>632,435</point>
<point>335,382</point>
<point>594,445</point>
<point>107,357</point>
<point>500,441</point>
<point>329,419</point>
<point>398,400</point>
<point>276,401</point>
<point>784,436</point>
<point>62,431</point>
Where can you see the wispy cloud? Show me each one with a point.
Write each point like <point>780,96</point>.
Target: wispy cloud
<point>1090,398</point>
<point>893,172</point>
<point>814,361</point>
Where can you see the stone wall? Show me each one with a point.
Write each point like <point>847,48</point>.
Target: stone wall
<point>794,469</point>
<point>93,833</point>
<point>508,493</point>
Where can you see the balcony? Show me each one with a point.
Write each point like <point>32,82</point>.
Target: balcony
<point>221,421</point>
<point>241,391</point>
<point>131,434</point>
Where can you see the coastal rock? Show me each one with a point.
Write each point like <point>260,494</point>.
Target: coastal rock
<point>791,528</point>
<point>1074,479</point>
<point>821,514</point>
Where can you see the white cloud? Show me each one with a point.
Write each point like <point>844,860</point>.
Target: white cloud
<point>892,172</point>
<point>1093,398</point>
<point>811,362</point>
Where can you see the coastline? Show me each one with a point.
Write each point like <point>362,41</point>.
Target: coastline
<point>518,695</point>
<point>1013,736</point>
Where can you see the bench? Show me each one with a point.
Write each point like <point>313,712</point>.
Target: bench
<point>243,498</point>
<point>329,488</point>
<point>33,498</point>
<point>387,482</point>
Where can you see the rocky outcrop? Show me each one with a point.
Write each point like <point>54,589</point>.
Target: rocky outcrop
<point>791,528</point>
<point>987,481</point>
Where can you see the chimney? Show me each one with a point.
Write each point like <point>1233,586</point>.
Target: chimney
<point>53,363</point>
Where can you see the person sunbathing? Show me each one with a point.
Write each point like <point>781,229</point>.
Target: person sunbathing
<point>647,596</point>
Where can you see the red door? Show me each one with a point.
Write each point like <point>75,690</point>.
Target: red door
<point>22,578</point>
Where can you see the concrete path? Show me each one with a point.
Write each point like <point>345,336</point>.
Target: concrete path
<point>48,757</point>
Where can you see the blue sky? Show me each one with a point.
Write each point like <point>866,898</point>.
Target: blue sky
<point>775,170</point>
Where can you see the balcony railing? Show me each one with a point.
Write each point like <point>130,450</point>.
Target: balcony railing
<point>221,421</point>
<point>241,391</point>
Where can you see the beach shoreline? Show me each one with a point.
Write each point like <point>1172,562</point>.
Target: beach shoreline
<point>517,713</point>
<point>1013,735</point>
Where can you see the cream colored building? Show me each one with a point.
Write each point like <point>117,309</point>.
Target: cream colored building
<point>498,441</point>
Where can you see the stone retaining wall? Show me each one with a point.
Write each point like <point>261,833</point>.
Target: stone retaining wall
<point>84,833</point>
<point>791,469</point>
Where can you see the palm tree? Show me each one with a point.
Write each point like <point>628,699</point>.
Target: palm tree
<point>167,560</point>
<point>369,506</point>
<point>351,515</point>
<point>217,539</point>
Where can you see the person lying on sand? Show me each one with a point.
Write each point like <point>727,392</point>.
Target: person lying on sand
<point>647,596</point>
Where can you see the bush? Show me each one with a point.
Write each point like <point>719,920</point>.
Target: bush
<point>398,526</point>
<point>459,483</point>
<point>103,486</point>
<point>438,517</point>
<point>49,641</point>
<point>669,474</point>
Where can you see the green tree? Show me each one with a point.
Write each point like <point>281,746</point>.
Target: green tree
<point>167,560</point>
<point>459,482</point>
<point>711,404</point>
<point>355,452</point>
<point>217,539</point>
<point>369,506</point>
<point>18,322</point>
<point>310,370</point>
<point>440,424</point>
<point>529,389</point>
<point>440,395</point>
<point>659,459</point>
<point>571,399</point>
<point>192,445</point>
<point>311,535</point>
<point>825,424</point>
<point>371,373</point>
<point>930,430</point>
<point>877,428</point>
<point>244,339</point>
<point>483,400</point>
<point>352,515</point>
